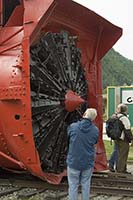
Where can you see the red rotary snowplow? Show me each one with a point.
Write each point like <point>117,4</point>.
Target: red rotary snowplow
<point>50,72</point>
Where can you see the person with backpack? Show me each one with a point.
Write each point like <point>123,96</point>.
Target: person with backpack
<point>114,130</point>
<point>123,136</point>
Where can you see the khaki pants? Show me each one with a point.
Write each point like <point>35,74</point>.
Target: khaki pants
<point>123,150</point>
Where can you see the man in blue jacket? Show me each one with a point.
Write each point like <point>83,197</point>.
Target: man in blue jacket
<point>82,135</point>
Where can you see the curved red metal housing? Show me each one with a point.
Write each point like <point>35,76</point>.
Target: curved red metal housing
<point>23,28</point>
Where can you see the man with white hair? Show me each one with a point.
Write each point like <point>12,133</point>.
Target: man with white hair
<point>82,135</point>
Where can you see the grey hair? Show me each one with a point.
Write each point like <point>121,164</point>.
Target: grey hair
<point>90,113</point>
<point>122,108</point>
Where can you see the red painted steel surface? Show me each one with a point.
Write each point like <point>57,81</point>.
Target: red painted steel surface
<point>24,27</point>
<point>72,101</point>
<point>0,12</point>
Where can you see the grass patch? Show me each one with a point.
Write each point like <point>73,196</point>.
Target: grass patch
<point>109,148</point>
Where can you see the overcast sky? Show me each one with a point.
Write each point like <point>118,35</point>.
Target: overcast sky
<point>120,13</point>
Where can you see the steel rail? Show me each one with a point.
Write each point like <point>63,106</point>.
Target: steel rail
<point>101,184</point>
<point>9,191</point>
<point>112,191</point>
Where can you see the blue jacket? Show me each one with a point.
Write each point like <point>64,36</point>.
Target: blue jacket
<point>83,135</point>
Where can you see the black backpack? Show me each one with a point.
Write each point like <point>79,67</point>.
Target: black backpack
<point>114,127</point>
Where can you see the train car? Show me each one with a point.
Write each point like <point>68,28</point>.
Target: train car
<point>50,72</point>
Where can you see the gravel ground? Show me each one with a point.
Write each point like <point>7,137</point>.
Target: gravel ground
<point>52,195</point>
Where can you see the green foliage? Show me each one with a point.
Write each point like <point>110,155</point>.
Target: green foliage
<point>105,91</point>
<point>117,70</point>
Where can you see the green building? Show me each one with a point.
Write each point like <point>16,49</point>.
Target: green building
<point>121,94</point>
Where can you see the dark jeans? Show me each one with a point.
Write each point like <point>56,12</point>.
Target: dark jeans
<point>114,157</point>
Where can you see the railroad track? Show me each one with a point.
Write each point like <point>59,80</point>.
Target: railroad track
<point>102,183</point>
